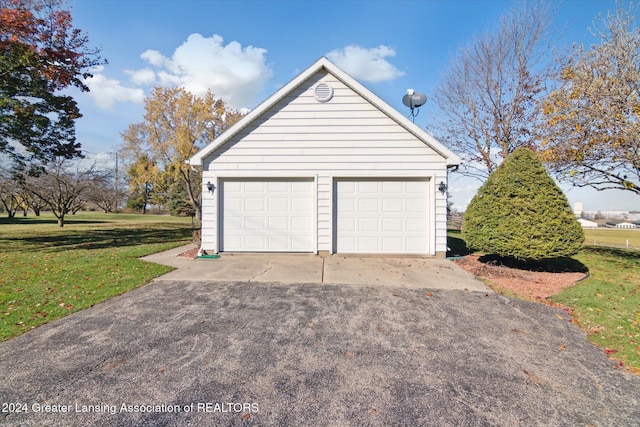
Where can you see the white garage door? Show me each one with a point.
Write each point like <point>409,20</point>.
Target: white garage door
<point>382,216</point>
<point>267,215</point>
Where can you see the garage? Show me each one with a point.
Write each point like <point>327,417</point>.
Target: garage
<point>267,215</point>
<point>381,216</point>
<point>325,166</point>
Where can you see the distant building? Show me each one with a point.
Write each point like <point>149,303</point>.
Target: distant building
<point>585,223</point>
<point>625,225</point>
<point>577,209</point>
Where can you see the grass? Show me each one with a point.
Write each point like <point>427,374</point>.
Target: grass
<point>48,272</point>
<point>606,305</point>
<point>613,235</point>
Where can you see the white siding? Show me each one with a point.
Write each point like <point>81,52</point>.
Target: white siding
<point>344,137</point>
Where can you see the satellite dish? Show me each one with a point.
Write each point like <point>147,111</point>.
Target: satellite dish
<point>414,100</point>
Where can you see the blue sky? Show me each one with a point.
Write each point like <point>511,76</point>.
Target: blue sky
<point>245,50</point>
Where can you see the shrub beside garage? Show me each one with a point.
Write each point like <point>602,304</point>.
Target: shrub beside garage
<point>521,213</point>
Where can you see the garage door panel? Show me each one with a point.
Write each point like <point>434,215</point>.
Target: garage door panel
<point>300,204</point>
<point>368,205</point>
<point>392,225</point>
<point>278,204</point>
<point>365,187</point>
<point>367,242</point>
<point>416,225</point>
<point>267,215</point>
<point>416,205</point>
<point>300,243</point>
<point>301,187</point>
<point>415,245</point>
<point>393,244</point>
<point>277,186</point>
<point>301,223</point>
<point>278,223</point>
<point>276,242</point>
<point>253,223</point>
<point>392,205</point>
<point>391,187</point>
<point>415,187</point>
<point>381,216</point>
<point>253,186</point>
<point>346,224</point>
<point>253,204</point>
<point>368,224</point>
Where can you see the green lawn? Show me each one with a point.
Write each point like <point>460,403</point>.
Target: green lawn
<point>606,304</point>
<point>612,235</point>
<point>47,272</point>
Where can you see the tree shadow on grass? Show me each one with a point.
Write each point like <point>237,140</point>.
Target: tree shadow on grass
<point>68,220</point>
<point>552,265</point>
<point>627,254</point>
<point>103,238</point>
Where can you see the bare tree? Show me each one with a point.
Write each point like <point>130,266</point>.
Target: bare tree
<point>9,189</point>
<point>488,96</point>
<point>64,186</point>
<point>104,195</point>
<point>35,204</point>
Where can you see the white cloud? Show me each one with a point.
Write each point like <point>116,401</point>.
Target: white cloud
<point>368,65</point>
<point>145,76</point>
<point>231,72</point>
<point>153,57</point>
<point>106,92</point>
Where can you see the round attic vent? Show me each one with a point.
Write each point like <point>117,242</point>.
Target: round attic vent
<point>323,92</point>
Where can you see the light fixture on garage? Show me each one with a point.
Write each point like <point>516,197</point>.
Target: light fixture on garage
<point>442,188</point>
<point>210,187</point>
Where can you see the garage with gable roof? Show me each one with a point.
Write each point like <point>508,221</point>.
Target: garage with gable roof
<point>325,166</point>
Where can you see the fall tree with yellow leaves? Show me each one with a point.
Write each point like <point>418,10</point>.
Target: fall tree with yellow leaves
<point>591,131</point>
<point>175,126</point>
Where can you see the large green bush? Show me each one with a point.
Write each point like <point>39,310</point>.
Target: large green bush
<point>520,213</point>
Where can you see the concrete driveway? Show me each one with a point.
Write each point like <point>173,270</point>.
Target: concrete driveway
<point>403,272</point>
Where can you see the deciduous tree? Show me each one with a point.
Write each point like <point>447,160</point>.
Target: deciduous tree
<point>9,190</point>
<point>142,176</point>
<point>64,186</point>
<point>41,53</point>
<point>591,135</point>
<point>488,95</point>
<point>175,126</point>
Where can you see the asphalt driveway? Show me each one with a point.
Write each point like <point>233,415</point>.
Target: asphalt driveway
<point>195,353</point>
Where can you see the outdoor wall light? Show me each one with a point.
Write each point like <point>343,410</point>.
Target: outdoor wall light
<point>210,187</point>
<point>442,188</point>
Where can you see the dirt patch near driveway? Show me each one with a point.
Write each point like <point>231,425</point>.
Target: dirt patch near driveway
<point>191,253</point>
<point>526,284</point>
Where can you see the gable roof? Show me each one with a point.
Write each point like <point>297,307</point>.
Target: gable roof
<point>323,63</point>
